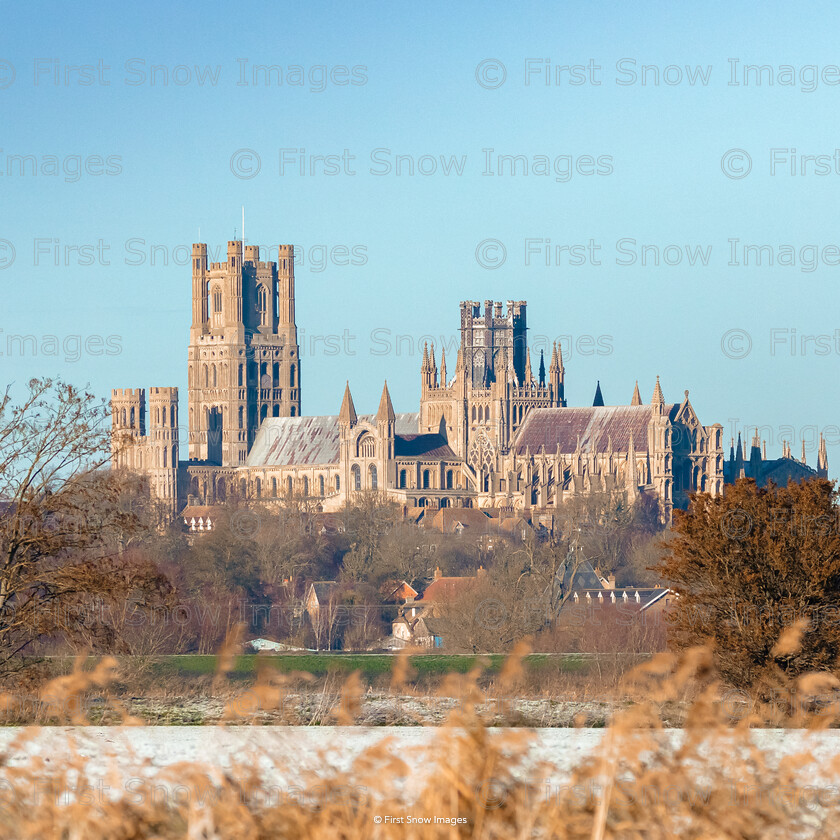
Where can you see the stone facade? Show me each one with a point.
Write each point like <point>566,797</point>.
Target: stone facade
<point>491,435</point>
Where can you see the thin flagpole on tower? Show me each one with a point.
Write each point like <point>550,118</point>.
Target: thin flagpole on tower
<point>243,234</point>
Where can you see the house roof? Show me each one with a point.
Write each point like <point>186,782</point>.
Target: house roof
<point>392,589</point>
<point>283,441</point>
<point>594,426</point>
<point>577,577</point>
<point>446,588</point>
<point>446,520</point>
<point>434,626</point>
<point>202,511</point>
<point>322,589</point>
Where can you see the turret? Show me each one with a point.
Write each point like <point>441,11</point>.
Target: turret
<point>658,400</point>
<point>822,459</point>
<point>286,284</point>
<point>599,397</point>
<point>637,397</point>
<point>200,315</point>
<point>163,445</point>
<point>386,422</point>
<point>232,314</point>
<point>347,416</point>
<point>755,455</point>
<point>555,376</point>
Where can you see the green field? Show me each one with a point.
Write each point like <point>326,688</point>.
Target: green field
<point>368,664</point>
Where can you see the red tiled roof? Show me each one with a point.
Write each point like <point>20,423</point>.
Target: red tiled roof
<point>445,588</point>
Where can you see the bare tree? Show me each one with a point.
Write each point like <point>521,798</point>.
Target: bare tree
<point>64,522</point>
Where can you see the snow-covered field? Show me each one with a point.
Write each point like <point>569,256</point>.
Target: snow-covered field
<point>285,754</point>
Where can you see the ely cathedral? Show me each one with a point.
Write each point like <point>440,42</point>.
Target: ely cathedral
<point>489,433</point>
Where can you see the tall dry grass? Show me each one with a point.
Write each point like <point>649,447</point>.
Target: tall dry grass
<point>642,782</point>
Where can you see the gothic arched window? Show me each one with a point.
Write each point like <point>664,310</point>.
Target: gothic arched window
<point>356,474</point>
<point>403,479</point>
<point>372,482</point>
<point>262,304</point>
<point>366,447</point>
<point>292,376</point>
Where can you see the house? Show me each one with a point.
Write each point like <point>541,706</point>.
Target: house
<point>423,631</point>
<point>318,595</point>
<point>201,518</point>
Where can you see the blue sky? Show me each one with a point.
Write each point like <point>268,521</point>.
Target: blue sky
<point>143,166</point>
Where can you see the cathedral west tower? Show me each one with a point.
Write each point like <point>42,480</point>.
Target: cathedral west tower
<point>243,357</point>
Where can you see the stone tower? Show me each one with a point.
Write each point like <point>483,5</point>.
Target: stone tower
<point>128,424</point>
<point>153,453</point>
<point>494,387</point>
<point>243,358</point>
<point>162,446</point>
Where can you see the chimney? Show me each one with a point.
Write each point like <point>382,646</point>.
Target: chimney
<point>438,573</point>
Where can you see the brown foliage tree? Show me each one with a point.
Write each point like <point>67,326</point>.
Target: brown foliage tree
<point>751,563</point>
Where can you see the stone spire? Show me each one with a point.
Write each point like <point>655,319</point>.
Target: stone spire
<point>529,375</point>
<point>348,410</point>
<point>637,397</point>
<point>822,459</point>
<point>804,456</point>
<point>555,375</point>
<point>599,397</point>
<point>542,369</point>
<point>386,409</point>
<point>739,459</point>
<point>658,401</point>
<point>442,367</point>
<point>433,367</point>
<point>755,455</point>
